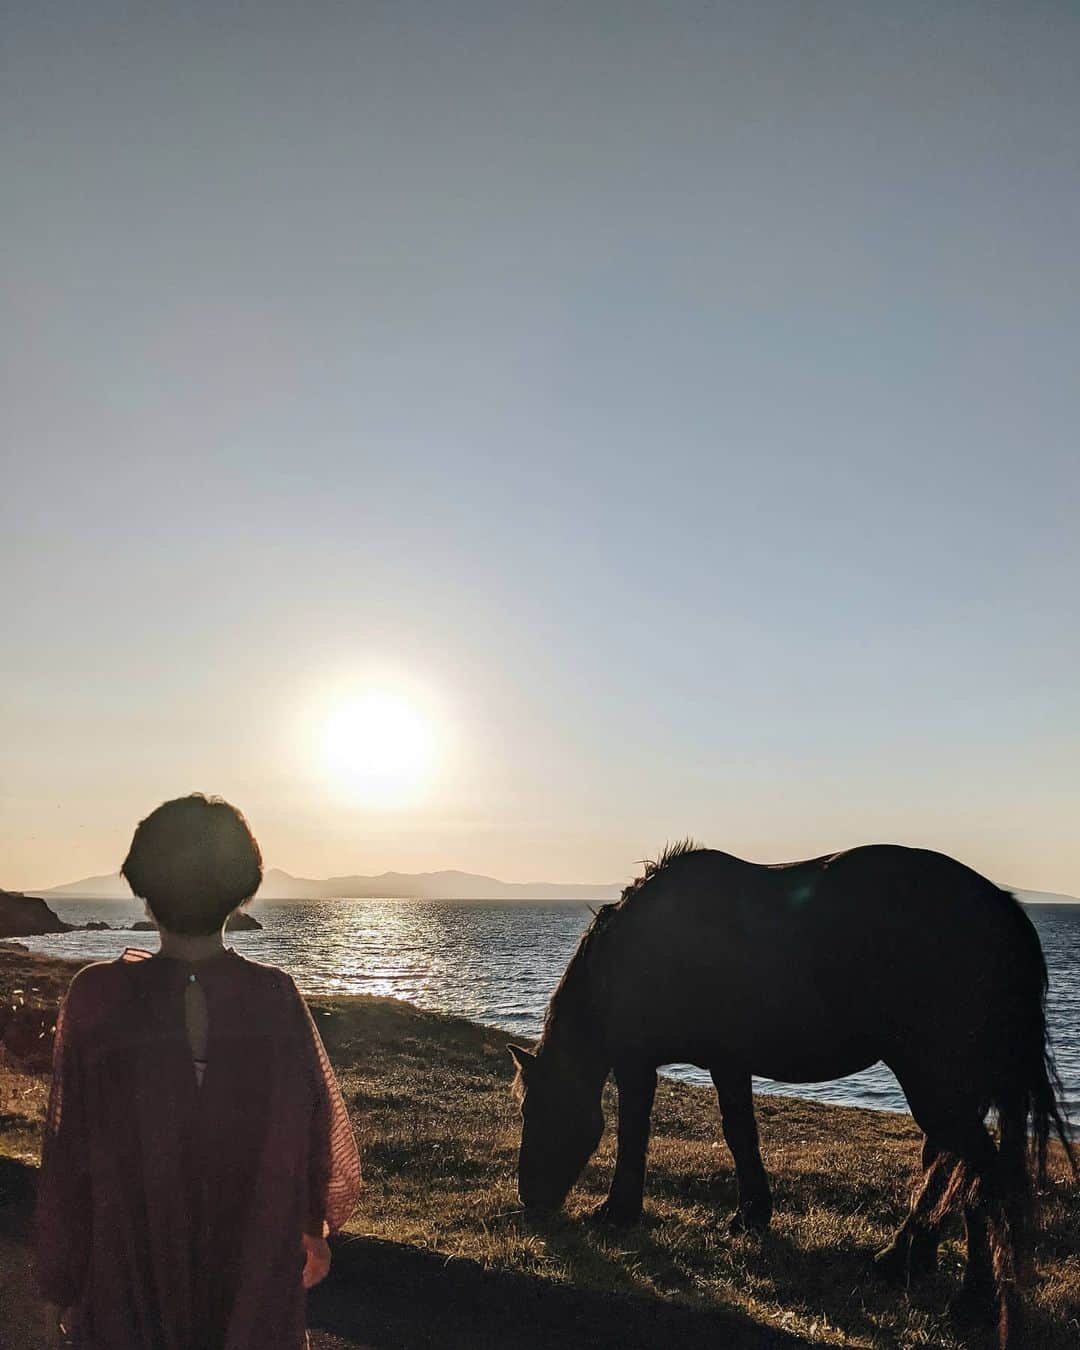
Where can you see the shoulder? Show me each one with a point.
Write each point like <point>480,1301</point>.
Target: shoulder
<point>272,988</point>
<point>94,983</point>
<point>270,978</point>
<point>93,993</point>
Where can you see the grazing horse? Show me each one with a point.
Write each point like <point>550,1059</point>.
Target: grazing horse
<point>802,972</point>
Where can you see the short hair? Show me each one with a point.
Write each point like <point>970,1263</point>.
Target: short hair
<point>193,860</point>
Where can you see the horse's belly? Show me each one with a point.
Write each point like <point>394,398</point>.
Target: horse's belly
<point>810,1051</point>
<point>789,1031</point>
<point>812,1066</point>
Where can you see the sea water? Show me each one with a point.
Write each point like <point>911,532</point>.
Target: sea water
<point>498,963</point>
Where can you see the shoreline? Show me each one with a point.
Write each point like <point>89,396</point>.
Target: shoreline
<point>428,1095</point>
<point>500,968</point>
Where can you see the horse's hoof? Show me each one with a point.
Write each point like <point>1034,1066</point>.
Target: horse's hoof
<point>754,1221</point>
<point>611,1215</point>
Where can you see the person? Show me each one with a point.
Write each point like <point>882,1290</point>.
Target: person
<point>197,1151</point>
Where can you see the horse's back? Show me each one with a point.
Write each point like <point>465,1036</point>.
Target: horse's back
<point>859,951</point>
<point>868,893</point>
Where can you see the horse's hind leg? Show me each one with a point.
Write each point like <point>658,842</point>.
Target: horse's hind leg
<point>976,1300</point>
<point>959,1130</point>
<point>735,1096</point>
<point>912,1250</point>
<point>637,1088</point>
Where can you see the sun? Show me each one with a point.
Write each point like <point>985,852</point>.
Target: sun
<point>377,748</point>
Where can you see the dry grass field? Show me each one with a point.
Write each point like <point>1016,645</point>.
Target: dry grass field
<point>438,1129</point>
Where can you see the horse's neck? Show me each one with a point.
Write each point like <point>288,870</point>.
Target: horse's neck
<point>574,1034</point>
<point>580,1062</point>
<point>573,1039</point>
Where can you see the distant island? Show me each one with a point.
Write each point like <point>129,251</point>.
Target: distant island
<point>446,885</point>
<point>1042,897</point>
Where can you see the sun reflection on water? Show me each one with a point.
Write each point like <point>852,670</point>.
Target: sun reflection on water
<point>498,963</point>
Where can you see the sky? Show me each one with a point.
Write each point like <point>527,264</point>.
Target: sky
<point>671,410</point>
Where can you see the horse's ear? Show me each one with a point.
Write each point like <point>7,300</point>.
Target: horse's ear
<point>524,1059</point>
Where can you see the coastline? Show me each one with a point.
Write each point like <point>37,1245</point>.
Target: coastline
<point>439,1132</point>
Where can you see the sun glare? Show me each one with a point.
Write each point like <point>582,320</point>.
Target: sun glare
<point>378,748</point>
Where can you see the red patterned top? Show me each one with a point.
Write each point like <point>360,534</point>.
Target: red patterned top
<point>170,1213</point>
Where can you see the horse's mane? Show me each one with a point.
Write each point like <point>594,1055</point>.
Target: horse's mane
<point>570,1001</point>
<point>570,1004</point>
<point>669,854</point>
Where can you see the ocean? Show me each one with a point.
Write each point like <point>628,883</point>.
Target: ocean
<point>498,963</point>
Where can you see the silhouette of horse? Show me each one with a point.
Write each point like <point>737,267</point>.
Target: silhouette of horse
<point>802,972</point>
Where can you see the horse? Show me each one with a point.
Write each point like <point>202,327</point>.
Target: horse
<point>803,972</point>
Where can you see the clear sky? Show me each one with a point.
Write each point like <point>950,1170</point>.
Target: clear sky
<point>673,407</point>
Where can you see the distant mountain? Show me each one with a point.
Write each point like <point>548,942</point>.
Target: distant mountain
<point>111,887</point>
<point>447,885</point>
<point>1042,897</point>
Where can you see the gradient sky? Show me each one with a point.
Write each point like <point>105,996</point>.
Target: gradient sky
<point>677,402</point>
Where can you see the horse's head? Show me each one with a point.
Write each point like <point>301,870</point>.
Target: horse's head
<point>561,1125</point>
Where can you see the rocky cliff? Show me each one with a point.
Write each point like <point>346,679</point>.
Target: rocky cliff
<point>25,915</point>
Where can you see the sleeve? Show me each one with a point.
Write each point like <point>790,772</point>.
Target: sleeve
<point>63,1214</point>
<point>334,1179</point>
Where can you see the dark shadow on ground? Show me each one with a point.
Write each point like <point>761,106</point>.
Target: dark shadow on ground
<point>396,1297</point>
<point>18,1188</point>
<point>390,1296</point>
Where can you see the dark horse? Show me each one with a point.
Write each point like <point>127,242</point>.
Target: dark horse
<point>802,972</point>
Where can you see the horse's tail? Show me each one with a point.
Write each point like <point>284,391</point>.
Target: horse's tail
<point>1029,1097</point>
<point>1027,1101</point>
<point>1028,1111</point>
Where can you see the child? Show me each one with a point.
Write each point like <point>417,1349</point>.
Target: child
<point>197,1151</point>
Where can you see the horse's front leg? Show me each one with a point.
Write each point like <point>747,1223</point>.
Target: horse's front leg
<point>637,1088</point>
<point>735,1096</point>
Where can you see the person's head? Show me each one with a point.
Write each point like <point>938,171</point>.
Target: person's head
<point>193,860</point>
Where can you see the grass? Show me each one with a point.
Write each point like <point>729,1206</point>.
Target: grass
<point>438,1130</point>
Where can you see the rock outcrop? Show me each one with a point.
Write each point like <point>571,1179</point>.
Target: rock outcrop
<point>27,916</point>
<point>242,922</point>
<point>238,923</point>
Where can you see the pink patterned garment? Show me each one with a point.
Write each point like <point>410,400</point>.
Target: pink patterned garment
<point>170,1213</point>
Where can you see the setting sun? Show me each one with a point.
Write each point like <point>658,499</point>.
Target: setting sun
<point>378,748</point>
